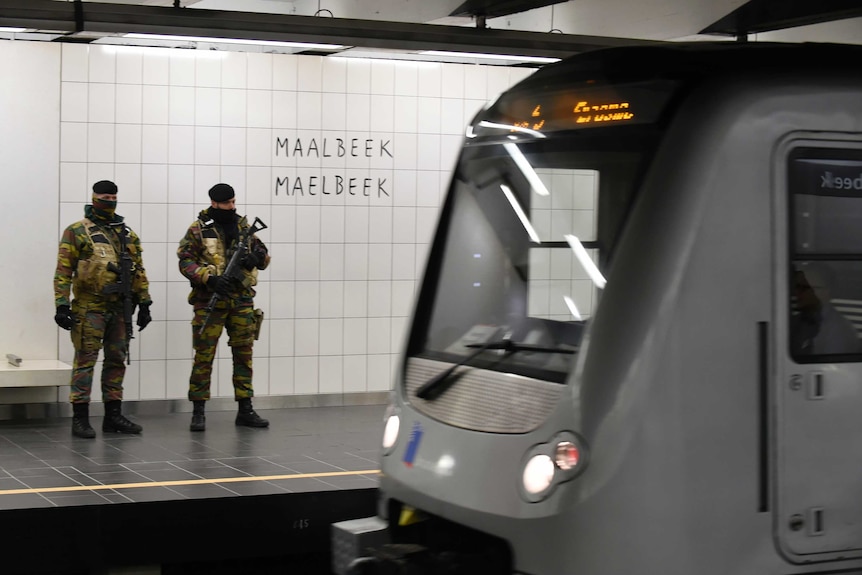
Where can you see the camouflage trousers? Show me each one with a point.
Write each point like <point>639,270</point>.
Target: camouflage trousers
<point>237,316</point>
<point>93,329</point>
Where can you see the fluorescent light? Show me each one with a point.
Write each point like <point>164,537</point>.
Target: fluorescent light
<point>508,127</point>
<point>395,59</point>
<point>12,29</point>
<point>586,262</point>
<point>538,59</point>
<point>525,167</point>
<point>511,128</point>
<point>236,41</point>
<point>573,309</point>
<point>156,50</point>
<point>520,213</point>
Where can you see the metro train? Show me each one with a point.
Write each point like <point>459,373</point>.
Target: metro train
<point>636,349</point>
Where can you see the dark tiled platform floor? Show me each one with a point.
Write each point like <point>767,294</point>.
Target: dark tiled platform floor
<point>304,449</point>
<point>179,501</point>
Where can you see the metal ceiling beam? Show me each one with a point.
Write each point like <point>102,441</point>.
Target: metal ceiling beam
<point>53,16</point>
<point>94,18</point>
<point>498,8</point>
<point>768,15</point>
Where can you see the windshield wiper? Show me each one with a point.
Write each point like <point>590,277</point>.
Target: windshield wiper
<point>440,382</point>
<point>512,346</point>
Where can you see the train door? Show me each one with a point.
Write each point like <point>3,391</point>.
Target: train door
<point>818,391</point>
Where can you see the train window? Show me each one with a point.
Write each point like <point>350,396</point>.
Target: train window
<point>524,247</point>
<point>560,287</point>
<point>825,188</point>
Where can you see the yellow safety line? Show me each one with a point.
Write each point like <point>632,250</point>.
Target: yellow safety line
<point>185,482</point>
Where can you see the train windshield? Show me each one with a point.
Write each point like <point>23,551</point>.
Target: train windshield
<point>524,245</point>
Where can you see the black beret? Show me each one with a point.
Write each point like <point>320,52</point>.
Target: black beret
<point>221,193</point>
<point>104,187</point>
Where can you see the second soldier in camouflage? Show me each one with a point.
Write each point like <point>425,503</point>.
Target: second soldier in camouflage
<point>203,255</point>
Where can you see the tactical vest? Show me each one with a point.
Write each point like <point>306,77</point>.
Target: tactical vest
<point>92,275</point>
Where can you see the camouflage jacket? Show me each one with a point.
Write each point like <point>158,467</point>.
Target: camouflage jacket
<point>81,263</point>
<point>203,253</point>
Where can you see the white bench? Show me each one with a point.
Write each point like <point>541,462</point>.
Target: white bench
<point>35,373</point>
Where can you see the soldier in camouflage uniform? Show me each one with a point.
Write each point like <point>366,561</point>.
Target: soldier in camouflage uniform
<point>94,317</point>
<point>204,253</point>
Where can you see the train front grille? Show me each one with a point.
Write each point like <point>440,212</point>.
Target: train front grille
<point>483,400</point>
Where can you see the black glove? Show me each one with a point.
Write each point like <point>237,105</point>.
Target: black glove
<point>248,261</point>
<point>219,284</point>
<point>144,317</point>
<point>254,258</point>
<point>64,317</point>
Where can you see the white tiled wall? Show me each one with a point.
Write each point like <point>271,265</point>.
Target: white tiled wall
<point>166,125</point>
<point>29,156</point>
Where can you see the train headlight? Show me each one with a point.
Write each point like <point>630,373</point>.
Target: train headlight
<point>391,428</point>
<point>538,474</point>
<point>547,465</point>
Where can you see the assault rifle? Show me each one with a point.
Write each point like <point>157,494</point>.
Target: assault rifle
<point>123,285</point>
<point>234,267</point>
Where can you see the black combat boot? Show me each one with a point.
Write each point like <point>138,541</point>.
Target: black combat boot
<point>81,421</point>
<point>199,420</point>
<point>115,421</point>
<point>247,415</point>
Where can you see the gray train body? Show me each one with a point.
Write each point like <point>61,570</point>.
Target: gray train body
<point>706,442</point>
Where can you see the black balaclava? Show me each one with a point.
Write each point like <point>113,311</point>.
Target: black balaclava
<point>104,209</point>
<point>227,219</point>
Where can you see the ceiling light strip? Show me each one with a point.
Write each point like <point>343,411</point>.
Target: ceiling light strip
<point>586,262</point>
<point>305,45</point>
<point>490,56</point>
<point>519,211</point>
<point>524,165</point>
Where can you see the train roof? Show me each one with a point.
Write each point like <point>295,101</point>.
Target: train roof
<point>683,60</point>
